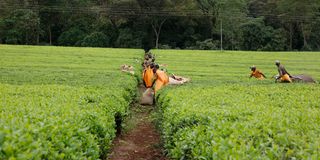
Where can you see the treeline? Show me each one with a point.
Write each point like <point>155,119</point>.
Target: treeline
<point>274,25</point>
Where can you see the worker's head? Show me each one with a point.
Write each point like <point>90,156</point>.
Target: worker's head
<point>277,62</point>
<point>151,64</point>
<point>145,64</point>
<point>253,68</point>
<point>155,68</point>
<point>146,49</point>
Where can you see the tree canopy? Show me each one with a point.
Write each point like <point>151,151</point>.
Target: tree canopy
<point>273,25</point>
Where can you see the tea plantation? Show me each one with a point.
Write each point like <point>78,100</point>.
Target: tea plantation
<point>222,114</point>
<point>61,103</point>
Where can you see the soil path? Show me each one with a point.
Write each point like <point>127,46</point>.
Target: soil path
<point>140,139</point>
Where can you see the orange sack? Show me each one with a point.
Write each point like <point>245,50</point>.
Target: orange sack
<point>148,77</point>
<point>285,78</point>
<point>162,80</point>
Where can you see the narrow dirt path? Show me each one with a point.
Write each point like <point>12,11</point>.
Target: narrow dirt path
<point>140,139</point>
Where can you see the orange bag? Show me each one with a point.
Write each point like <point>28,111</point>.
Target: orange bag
<point>285,78</point>
<point>148,77</point>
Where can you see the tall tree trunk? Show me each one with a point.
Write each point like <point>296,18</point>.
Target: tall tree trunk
<point>116,29</point>
<point>157,40</point>
<point>157,30</point>
<point>50,35</point>
<point>305,43</point>
<point>38,38</point>
<point>291,36</point>
<point>113,22</point>
<point>232,42</point>
<point>26,38</point>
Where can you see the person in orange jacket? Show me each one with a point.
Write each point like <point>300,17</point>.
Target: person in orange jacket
<point>256,73</point>
<point>148,75</point>
<point>284,76</point>
<point>161,78</point>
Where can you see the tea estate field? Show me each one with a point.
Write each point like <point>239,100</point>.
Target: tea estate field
<point>61,103</point>
<point>222,114</point>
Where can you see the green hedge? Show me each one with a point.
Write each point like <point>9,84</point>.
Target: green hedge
<point>61,103</point>
<point>241,122</point>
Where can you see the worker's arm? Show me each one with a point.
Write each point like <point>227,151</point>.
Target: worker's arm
<point>263,75</point>
<point>251,75</point>
<point>286,72</point>
<point>280,73</point>
<point>155,79</point>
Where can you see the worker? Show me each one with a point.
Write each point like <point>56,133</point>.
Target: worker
<point>145,64</point>
<point>148,56</point>
<point>161,78</point>
<point>256,73</point>
<point>177,80</point>
<point>127,68</point>
<point>284,76</point>
<point>148,75</point>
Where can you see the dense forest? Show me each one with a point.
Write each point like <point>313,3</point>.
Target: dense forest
<point>273,25</point>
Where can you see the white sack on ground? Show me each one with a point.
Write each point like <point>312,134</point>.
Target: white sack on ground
<point>147,97</point>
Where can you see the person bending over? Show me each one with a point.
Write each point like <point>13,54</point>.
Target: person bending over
<point>161,78</point>
<point>256,73</point>
<point>284,76</point>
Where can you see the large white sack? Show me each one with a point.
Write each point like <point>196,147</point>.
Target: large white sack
<point>147,97</point>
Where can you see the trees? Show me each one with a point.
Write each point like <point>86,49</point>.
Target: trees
<point>22,26</point>
<point>300,13</point>
<point>257,36</point>
<point>95,39</point>
<point>1,30</point>
<point>71,37</point>
<point>226,16</point>
<point>231,14</point>
<point>51,19</point>
<point>266,24</point>
<point>314,40</point>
